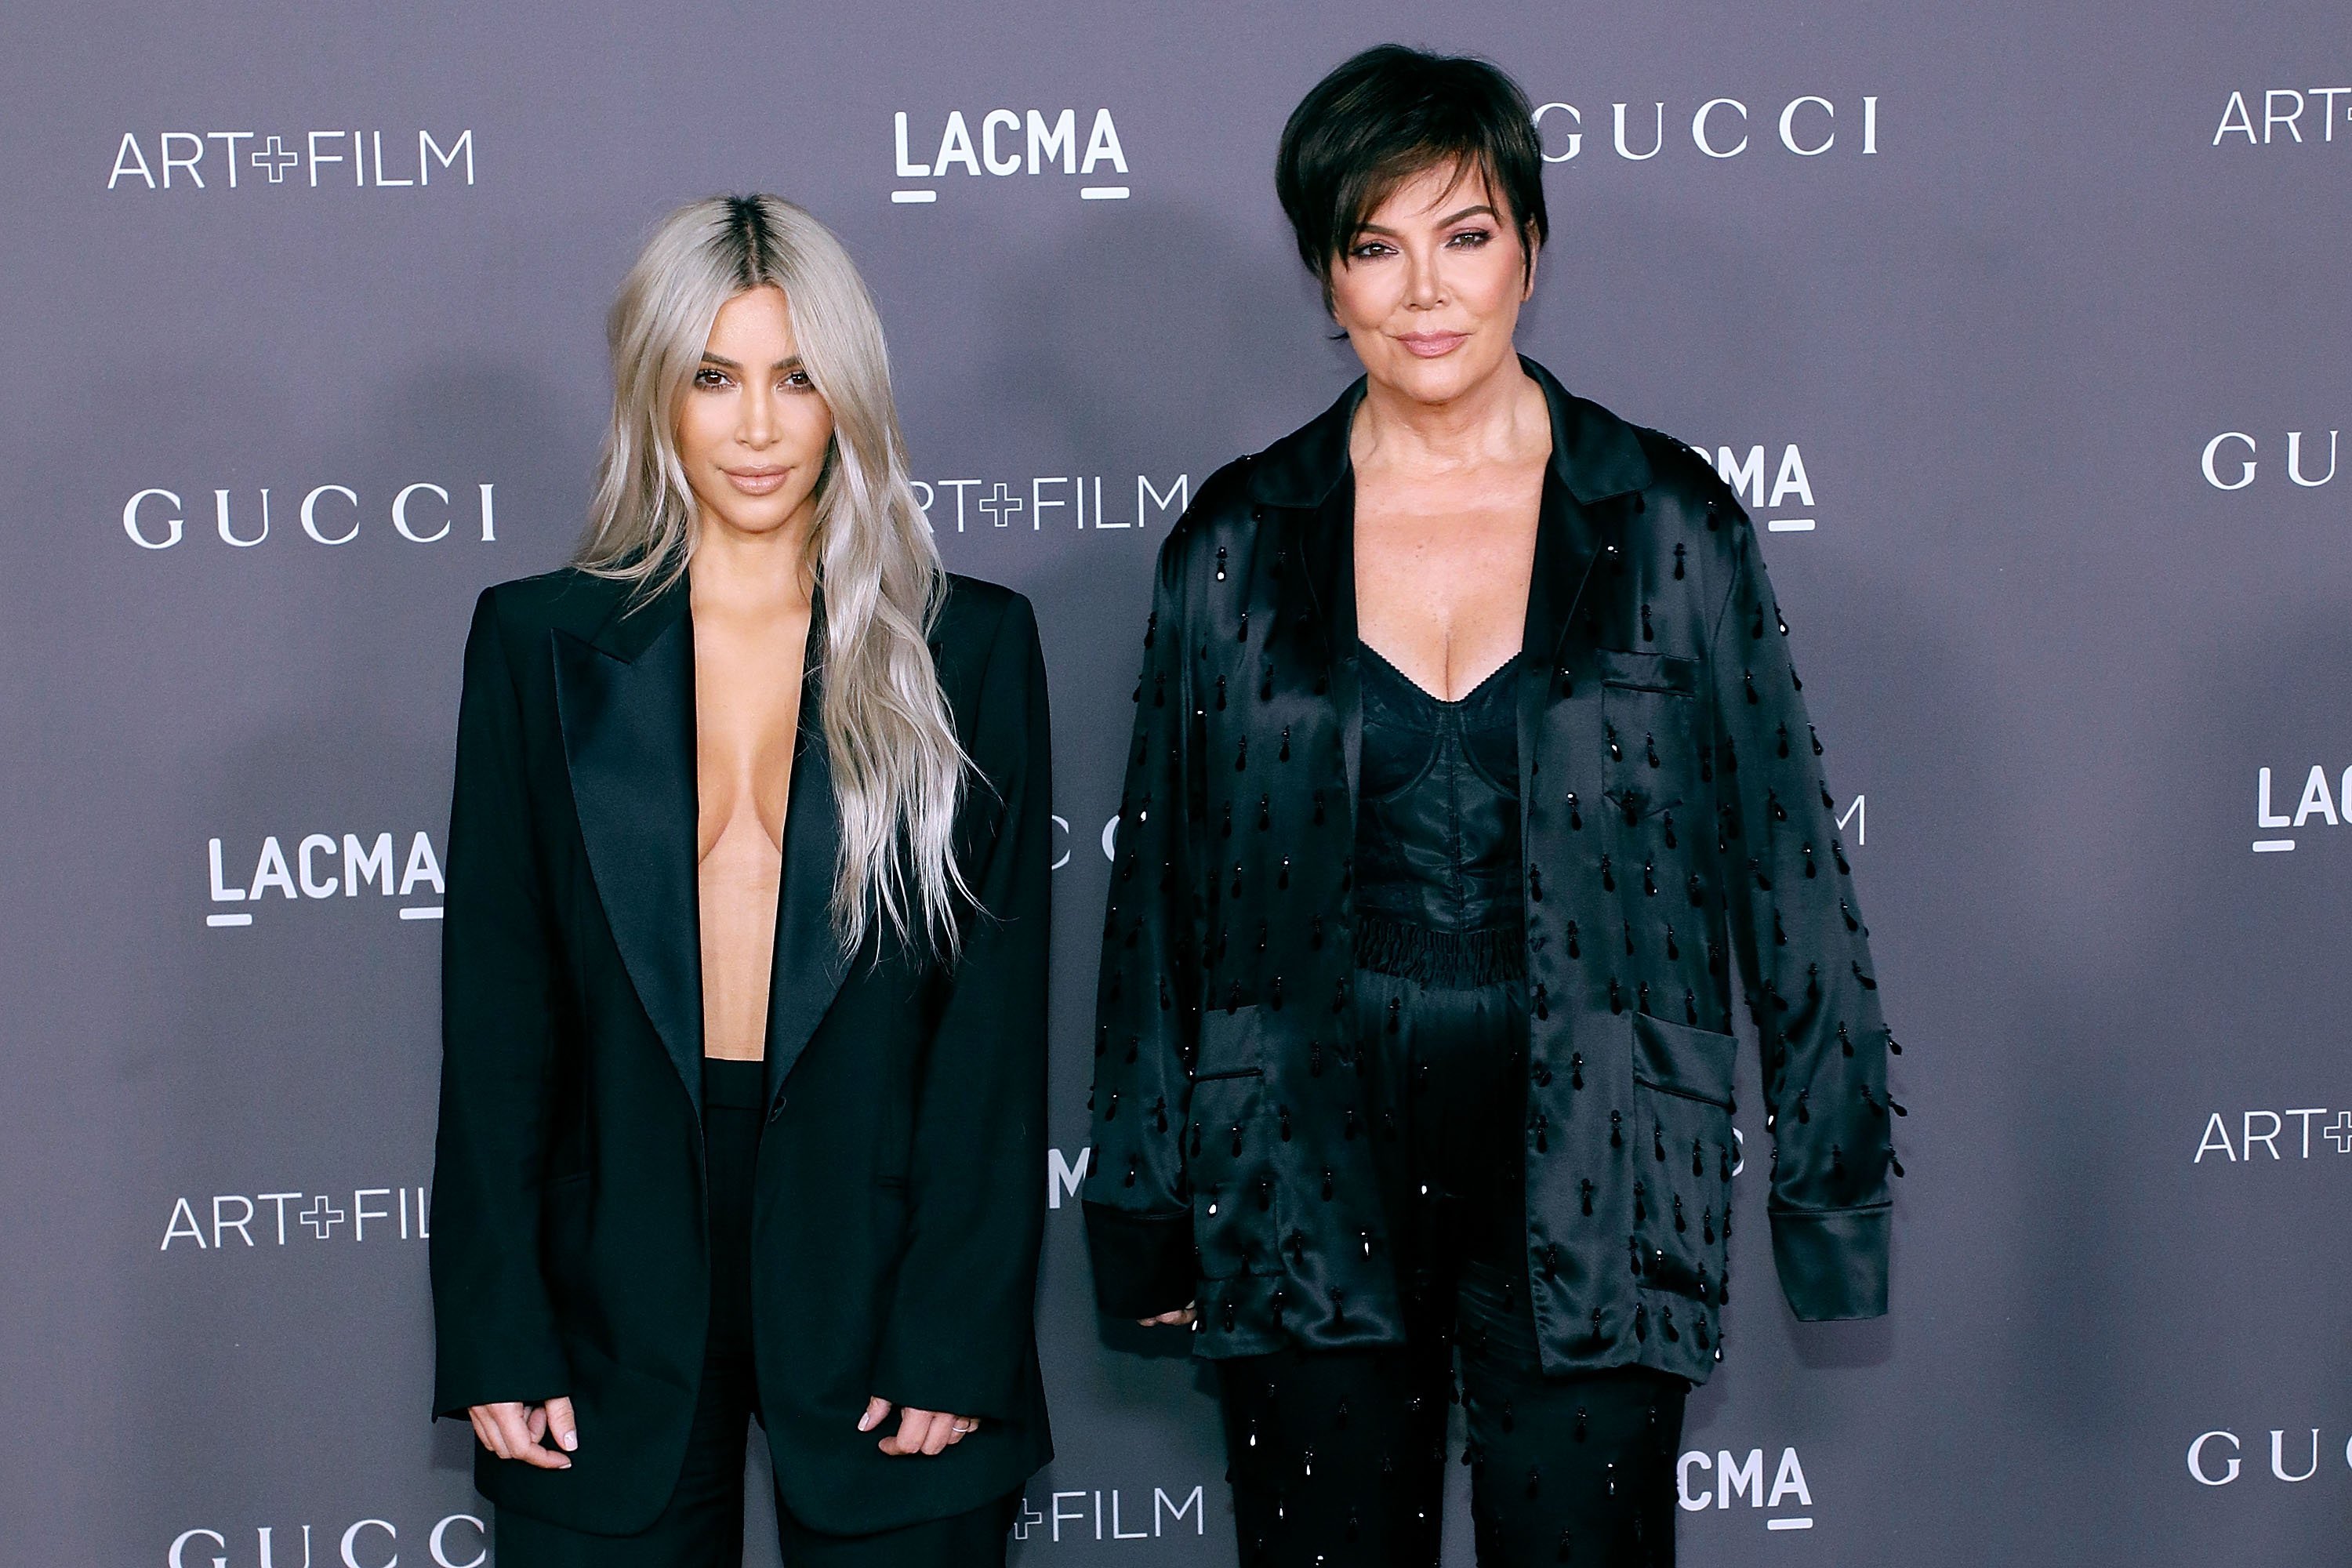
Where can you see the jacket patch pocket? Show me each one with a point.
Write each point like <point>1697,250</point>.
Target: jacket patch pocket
<point>1228,1160</point>
<point>1649,712</point>
<point>1662,673</point>
<point>1683,1154</point>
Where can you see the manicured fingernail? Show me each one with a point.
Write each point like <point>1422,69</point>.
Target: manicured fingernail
<point>570,1441</point>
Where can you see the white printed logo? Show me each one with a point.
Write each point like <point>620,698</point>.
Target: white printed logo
<point>2282,115</point>
<point>183,160</point>
<point>1075,500</point>
<point>1807,126</point>
<point>1736,1478</point>
<point>323,866</point>
<point>422,514</point>
<point>1005,143</point>
<point>1108,1516</point>
<point>2317,800</point>
<point>1792,489</point>
<point>2263,1128</point>
<point>225,1219</point>
<point>2231,459</point>
<point>455,1541</point>
<point>2214,1456</point>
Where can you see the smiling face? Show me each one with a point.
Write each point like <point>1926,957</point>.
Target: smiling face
<point>1429,289</point>
<point>753,432</point>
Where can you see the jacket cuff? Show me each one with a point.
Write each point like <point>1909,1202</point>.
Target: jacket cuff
<point>485,1355</point>
<point>1143,1263</point>
<point>490,1368</point>
<point>1833,1264</point>
<point>954,1373</point>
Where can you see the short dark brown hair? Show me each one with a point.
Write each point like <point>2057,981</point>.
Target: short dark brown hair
<point>1392,113</point>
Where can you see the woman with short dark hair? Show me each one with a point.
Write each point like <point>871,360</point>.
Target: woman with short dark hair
<point>1469,766</point>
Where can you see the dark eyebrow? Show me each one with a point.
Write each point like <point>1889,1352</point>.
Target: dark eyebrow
<point>1442,223</point>
<point>723,362</point>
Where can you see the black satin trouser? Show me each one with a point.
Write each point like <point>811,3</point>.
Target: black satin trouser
<point>702,1525</point>
<point>1337,1457</point>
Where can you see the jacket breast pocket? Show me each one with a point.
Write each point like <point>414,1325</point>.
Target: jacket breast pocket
<point>1683,1155</point>
<point>1228,1160</point>
<point>1650,714</point>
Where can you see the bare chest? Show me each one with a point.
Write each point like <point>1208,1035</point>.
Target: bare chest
<point>1442,573</point>
<point>747,701</point>
<point>747,689</point>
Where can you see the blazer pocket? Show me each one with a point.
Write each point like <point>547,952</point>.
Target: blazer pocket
<point>1683,1154</point>
<point>1229,1044</point>
<point>1650,715</point>
<point>1228,1162</point>
<point>1667,674</point>
<point>1678,1058</point>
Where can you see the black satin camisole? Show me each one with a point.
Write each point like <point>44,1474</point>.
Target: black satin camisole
<point>1437,840</point>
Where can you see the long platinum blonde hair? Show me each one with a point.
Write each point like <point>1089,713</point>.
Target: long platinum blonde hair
<point>898,768</point>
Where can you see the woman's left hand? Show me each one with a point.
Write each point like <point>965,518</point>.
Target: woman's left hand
<point>920,1431</point>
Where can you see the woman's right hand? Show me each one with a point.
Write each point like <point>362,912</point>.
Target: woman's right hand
<point>513,1430</point>
<point>1181,1318</point>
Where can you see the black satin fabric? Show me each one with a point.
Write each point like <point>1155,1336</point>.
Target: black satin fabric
<point>1437,834</point>
<point>1441,975</point>
<point>1339,1456</point>
<point>1682,853</point>
<point>1452,1066</point>
<point>1338,1459</point>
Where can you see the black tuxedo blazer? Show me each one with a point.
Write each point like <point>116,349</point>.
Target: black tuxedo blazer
<point>898,1208</point>
<point>1680,847</point>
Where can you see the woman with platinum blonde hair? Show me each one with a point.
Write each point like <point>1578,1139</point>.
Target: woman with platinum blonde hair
<point>743,971</point>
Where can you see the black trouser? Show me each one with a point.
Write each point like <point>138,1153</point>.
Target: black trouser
<point>702,1524</point>
<point>1337,1457</point>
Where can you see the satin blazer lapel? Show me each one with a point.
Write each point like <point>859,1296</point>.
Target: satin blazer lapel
<point>1327,546</point>
<point>809,964</point>
<point>625,704</point>
<point>1568,545</point>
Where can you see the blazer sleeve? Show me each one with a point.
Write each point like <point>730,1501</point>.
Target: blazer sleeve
<point>494,1329</point>
<point>1804,962</point>
<point>961,1333</point>
<point>1139,1210</point>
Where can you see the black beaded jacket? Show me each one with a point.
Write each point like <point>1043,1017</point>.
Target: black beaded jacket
<point>1677,833</point>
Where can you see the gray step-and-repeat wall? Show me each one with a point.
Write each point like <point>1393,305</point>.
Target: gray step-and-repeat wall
<point>2022,330</point>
